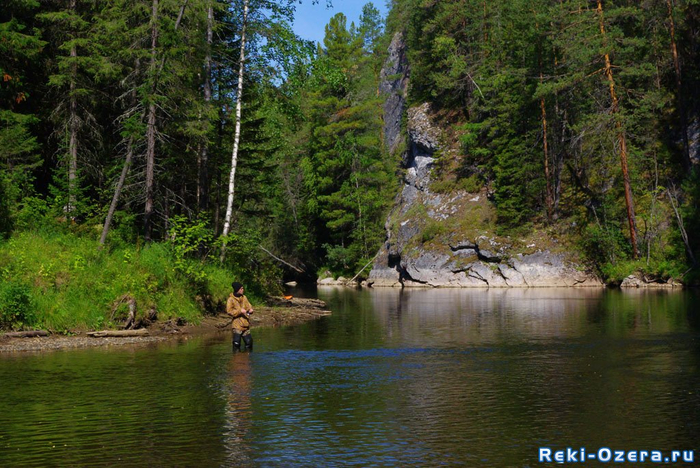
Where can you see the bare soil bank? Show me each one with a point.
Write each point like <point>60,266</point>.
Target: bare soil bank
<point>278,312</point>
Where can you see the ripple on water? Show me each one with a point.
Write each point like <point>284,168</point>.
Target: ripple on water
<point>485,385</point>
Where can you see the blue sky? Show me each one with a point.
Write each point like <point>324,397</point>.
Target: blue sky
<point>311,19</point>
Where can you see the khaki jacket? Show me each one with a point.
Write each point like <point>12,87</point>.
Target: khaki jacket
<point>234,307</point>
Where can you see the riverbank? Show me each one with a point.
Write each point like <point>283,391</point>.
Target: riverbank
<point>278,312</point>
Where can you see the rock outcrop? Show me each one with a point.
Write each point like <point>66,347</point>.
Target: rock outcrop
<point>632,281</point>
<point>393,84</point>
<point>438,239</point>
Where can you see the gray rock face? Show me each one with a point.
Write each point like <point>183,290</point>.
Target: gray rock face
<point>421,131</point>
<point>418,161</point>
<point>634,282</point>
<point>394,82</point>
<point>429,269</point>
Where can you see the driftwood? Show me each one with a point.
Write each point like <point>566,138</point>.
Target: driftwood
<point>26,334</point>
<point>131,316</point>
<point>363,269</point>
<point>296,302</point>
<point>297,269</point>
<point>118,333</point>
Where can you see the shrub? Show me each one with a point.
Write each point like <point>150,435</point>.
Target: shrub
<point>605,245</point>
<point>33,214</point>
<point>16,306</point>
<point>432,230</point>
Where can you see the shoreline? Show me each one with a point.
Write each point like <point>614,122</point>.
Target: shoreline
<point>279,313</point>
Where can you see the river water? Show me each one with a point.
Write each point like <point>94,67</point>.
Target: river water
<point>393,378</point>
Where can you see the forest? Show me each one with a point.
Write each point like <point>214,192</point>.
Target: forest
<point>159,148</point>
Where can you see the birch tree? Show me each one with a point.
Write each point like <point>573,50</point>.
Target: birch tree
<point>237,135</point>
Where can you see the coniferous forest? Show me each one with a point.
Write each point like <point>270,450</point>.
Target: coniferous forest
<point>157,149</point>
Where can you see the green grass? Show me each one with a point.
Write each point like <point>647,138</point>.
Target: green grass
<point>73,285</point>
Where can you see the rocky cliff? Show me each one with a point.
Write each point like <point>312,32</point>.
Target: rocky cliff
<point>447,239</point>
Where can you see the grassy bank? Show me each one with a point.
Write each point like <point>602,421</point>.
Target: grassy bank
<point>63,282</point>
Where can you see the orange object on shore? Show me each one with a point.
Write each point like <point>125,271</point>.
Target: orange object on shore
<point>287,297</point>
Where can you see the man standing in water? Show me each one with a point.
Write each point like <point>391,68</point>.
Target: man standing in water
<point>240,309</point>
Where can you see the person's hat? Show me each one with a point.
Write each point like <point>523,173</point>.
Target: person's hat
<point>236,286</point>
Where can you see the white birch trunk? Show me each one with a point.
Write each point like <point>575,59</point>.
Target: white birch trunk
<point>237,136</point>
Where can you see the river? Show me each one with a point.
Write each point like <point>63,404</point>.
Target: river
<point>393,378</point>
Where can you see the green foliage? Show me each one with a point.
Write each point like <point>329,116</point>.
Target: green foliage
<point>250,265</point>
<point>190,239</point>
<point>16,307</point>
<point>73,285</point>
<point>655,271</point>
<point>432,230</point>
<point>506,72</point>
<point>338,257</point>
<point>604,245</point>
<point>348,175</point>
<point>32,214</point>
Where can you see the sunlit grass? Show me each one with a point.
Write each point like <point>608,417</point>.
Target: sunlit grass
<point>76,286</point>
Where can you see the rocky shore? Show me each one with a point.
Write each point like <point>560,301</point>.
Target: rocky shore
<point>278,312</point>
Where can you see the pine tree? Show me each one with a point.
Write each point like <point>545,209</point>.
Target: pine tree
<point>19,51</point>
<point>346,171</point>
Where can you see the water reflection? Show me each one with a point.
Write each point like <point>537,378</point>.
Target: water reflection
<point>454,317</point>
<point>238,409</point>
<point>392,378</point>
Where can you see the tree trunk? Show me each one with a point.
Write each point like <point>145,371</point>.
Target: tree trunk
<point>559,153</point>
<point>545,143</point>
<point>151,130</point>
<point>629,202</point>
<point>684,234</point>
<point>73,129</point>
<point>26,334</point>
<point>203,160</point>
<point>151,126</point>
<point>237,136</point>
<point>125,169</point>
<point>118,333</point>
<point>118,191</point>
<point>545,148</point>
<point>679,88</point>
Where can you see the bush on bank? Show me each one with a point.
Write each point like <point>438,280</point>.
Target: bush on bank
<point>62,281</point>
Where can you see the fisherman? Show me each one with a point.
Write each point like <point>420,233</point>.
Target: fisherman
<point>240,309</point>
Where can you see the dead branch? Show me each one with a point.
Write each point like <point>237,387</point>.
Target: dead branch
<point>118,333</point>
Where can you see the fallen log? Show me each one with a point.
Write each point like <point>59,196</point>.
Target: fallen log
<point>118,333</point>
<point>26,334</point>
